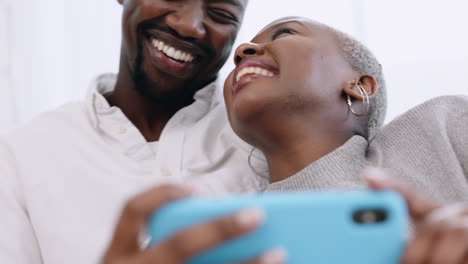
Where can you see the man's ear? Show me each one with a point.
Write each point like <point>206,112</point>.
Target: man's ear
<point>120,1</point>
<point>367,82</point>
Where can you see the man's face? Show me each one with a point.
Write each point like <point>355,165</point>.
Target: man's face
<point>174,47</point>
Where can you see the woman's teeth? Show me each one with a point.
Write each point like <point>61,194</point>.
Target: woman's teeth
<point>255,71</point>
<point>172,52</point>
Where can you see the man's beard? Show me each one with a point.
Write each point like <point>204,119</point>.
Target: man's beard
<point>152,90</point>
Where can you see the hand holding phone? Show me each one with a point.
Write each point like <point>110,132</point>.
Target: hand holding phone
<point>126,247</point>
<point>364,227</point>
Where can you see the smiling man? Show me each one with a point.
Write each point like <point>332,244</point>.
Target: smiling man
<point>66,176</point>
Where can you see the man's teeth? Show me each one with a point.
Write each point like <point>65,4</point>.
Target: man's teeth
<point>253,70</point>
<point>172,52</point>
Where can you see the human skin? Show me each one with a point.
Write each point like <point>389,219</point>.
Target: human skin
<point>440,231</point>
<point>151,87</point>
<point>296,113</point>
<point>179,248</point>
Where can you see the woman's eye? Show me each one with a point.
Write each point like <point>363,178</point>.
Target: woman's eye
<point>282,31</point>
<point>223,16</point>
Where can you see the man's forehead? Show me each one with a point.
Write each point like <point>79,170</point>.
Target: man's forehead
<point>241,4</point>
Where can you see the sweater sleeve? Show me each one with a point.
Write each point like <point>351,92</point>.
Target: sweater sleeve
<point>18,243</point>
<point>457,129</point>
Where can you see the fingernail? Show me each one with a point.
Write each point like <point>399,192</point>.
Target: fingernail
<point>250,217</point>
<point>189,187</point>
<point>375,173</point>
<point>275,256</point>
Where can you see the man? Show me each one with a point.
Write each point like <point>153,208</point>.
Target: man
<point>66,175</point>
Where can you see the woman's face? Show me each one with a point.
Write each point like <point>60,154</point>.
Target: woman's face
<point>291,71</point>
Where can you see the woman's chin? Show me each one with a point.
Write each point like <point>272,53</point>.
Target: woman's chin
<point>249,129</point>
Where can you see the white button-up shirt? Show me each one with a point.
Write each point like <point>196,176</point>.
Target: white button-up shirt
<point>65,176</point>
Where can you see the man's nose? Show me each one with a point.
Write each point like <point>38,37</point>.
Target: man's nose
<point>188,21</point>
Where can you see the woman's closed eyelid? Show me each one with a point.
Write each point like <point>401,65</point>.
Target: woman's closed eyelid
<point>282,30</point>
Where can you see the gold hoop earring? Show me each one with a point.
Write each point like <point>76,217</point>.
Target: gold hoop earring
<point>366,101</point>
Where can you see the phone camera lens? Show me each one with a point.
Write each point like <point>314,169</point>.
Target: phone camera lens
<point>370,216</point>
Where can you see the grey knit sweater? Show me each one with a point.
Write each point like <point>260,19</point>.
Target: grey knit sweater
<point>426,147</point>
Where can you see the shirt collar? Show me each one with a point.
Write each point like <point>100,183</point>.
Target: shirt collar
<point>112,122</point>
<point>105,83</point>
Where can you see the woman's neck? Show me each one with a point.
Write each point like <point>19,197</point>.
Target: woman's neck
<point>290,155</point>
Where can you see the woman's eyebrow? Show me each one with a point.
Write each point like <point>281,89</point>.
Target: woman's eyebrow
<point>288,22</point>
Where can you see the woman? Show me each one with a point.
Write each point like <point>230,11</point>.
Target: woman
<point>312,99</point>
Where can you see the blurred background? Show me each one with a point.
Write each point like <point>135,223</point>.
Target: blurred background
<point>51,49</point>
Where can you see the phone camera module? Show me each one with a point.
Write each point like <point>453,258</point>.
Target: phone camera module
<point>370,216</point>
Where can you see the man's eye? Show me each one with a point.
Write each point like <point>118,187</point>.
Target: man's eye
<point>223,16</point>
<point>282,31</point>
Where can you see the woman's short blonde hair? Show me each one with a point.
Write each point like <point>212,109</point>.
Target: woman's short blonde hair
<point>363,61</point>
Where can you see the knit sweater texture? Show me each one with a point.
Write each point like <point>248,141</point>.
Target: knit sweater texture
<point>427,147</point>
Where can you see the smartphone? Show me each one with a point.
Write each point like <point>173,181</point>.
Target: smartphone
<point>334,227</point>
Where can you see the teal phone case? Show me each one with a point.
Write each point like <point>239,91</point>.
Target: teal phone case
<point>314,228</point>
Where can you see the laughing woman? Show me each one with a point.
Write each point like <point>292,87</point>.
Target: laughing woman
<point>313,100</point>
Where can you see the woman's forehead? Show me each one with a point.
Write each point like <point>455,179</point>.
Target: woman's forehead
<point>302,21</point>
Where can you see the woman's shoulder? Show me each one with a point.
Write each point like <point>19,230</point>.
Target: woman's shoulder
<point>445,101</point>
<point>436,117</point>
<point>435,107</point>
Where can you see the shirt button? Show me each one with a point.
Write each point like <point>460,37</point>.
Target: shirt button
<point>166,172</point>
<point>97,103</point>
<point>122,130</point>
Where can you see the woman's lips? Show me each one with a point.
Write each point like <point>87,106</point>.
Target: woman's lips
<point>246,81</point>
<point>251,70</point>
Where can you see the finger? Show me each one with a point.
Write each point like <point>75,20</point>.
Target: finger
<point>465,259</point>
<point>137,211</point>
<point>418,204</point>
<point>195,240</point>
<point>452,245</point>
<point>419,247</point>
<point>449,212</point>
<point>275,256</point>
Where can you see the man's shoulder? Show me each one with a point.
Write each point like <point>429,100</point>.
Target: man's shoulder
<point>53,124</point>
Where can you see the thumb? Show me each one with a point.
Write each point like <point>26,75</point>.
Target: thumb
<point>419,205</point>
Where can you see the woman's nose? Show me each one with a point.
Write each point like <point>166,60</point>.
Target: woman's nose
<point>247,50</point>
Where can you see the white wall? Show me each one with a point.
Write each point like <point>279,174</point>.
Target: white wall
<point>6,91</point>
<point>54,47</point>
<point>423,47</point>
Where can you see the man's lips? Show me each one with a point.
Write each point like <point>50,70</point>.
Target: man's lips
<point>176,43</point>
<point>171,55</point>
<point>171,52</point>
<point>250,70</point>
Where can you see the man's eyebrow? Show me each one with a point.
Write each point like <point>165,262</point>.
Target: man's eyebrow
<point>235,3</point>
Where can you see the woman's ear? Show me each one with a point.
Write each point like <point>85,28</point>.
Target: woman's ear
<point>366,82</point>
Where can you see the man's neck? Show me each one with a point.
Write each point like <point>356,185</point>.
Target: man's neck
<point>149,117</point>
